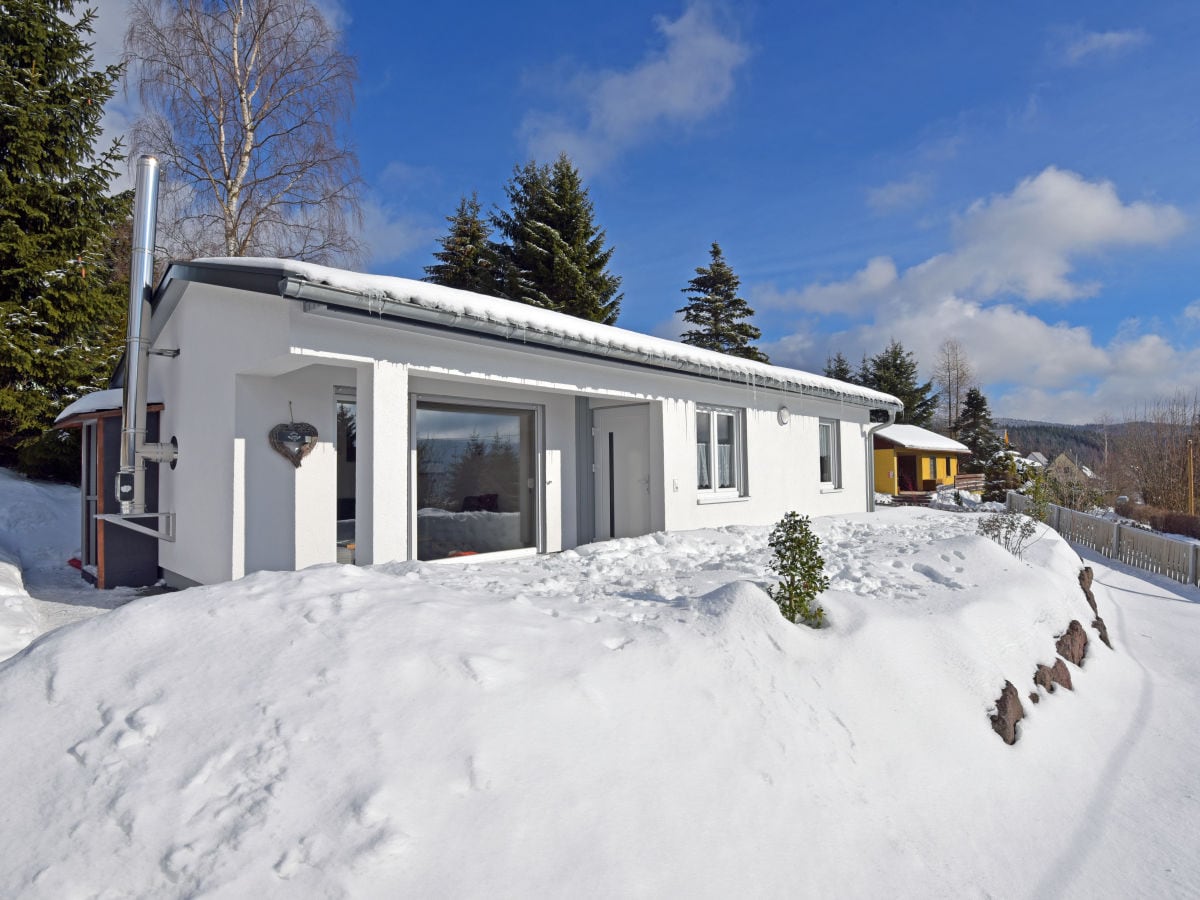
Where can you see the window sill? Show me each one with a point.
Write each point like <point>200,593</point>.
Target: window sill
<point>830,489</point>
<point>722,498</point>
<point>493,556</point>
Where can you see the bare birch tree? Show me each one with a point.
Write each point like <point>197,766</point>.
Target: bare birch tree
<point>953,375</point>
<point>244,103</point>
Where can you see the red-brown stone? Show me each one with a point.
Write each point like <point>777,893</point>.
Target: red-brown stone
<point>1072,644</point>
<point>1085,582</point>
<point>1008,712</point>
<point>1049,677</point>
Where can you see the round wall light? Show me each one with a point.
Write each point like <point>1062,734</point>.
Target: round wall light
<point>785,415</point>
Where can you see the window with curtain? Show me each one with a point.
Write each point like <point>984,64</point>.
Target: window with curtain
<point>719,451</point>
<point>831,474</point>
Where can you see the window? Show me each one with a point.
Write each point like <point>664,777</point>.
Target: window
<point>719,451</point>
<point>831,461</point>
<point>476,473</point>
<point>933,467</point>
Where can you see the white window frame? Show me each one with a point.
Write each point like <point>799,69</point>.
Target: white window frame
<point>715,494</point>
<point>831,427</point>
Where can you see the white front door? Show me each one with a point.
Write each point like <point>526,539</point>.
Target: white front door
<point>622,454</point>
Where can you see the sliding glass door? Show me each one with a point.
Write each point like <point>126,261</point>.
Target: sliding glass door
<point>476,478</point>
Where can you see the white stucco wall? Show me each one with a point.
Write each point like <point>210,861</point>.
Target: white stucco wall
<point>782,469</point>
<point>219,335</point>
<point>381,526</point>
<point>290,513</point>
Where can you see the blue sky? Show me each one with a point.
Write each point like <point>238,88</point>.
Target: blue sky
<point>1020,177</point>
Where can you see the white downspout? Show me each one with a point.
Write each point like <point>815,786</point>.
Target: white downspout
<point>870,438</point>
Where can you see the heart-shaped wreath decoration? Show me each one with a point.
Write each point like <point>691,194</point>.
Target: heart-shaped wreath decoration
<point>293,441</point>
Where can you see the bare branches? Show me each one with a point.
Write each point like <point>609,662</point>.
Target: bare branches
<point>1152,453</point>
<point>245,99</point>
<point>953,376</point>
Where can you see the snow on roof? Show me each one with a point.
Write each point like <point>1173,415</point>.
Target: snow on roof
<point>97,401</point>
<point>530,322</point>
<point>913,437</point>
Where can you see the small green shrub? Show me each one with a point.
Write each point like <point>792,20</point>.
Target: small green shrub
<point>1011,530</point>
<point>800,568</point>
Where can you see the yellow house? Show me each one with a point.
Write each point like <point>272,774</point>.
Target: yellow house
<point>911,459</point>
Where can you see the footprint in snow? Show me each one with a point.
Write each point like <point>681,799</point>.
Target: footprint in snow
<point>935,576</point>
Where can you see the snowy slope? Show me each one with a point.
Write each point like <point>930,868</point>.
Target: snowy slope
<point>35,521</point>
<point>630,719</point>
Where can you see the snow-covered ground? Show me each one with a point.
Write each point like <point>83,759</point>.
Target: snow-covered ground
<point>630,719</point>
<point>39,533</point>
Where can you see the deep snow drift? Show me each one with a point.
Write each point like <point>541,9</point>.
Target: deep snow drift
<point>630,719</point>
<point>36,521</point>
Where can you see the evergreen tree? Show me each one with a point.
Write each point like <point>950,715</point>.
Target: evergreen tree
<point>554,255</point>
<point>467,259</point>
<point>865,375</point>
<point>61,312</point>
<point>718,312</point>
<point>894,371</point>
<point>975,428</point>
<point>838,367</point>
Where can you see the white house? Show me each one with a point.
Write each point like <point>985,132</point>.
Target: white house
<point>444,424</point>
<point>310,415</point>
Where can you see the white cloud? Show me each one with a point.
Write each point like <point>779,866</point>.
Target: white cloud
<point>898,195</point>
<point>685,82</point>
<point>1138,372</point>
<point>1008,249</point>
<point>399,174</point>
<point>335,13</point>
<point>1030,368</point>
<point>109,24</point>
<point>1191,313</point>
<point>1022,245</point>
<point>870,283</point>
<point>389,235</point>
<point>943,148</point>
<point>1096,44</point>
<point>672,329</point>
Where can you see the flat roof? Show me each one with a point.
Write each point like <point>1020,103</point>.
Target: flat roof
<point>404,298</point>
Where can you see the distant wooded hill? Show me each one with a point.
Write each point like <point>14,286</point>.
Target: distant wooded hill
<point>1083,444</point>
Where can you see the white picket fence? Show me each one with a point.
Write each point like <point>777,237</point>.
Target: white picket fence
<point>1173,557</point>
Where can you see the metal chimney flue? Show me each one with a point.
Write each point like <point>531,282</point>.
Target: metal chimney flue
<point>131,477</point>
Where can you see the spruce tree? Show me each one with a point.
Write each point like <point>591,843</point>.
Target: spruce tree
<point>718,313</point>
<point>975,428</point>
<point>554,254</point>
<point>61,312</point>
<point>467,259</point>
<point>894,371</point>
<point>865,375</point>
<point>837,366</point>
